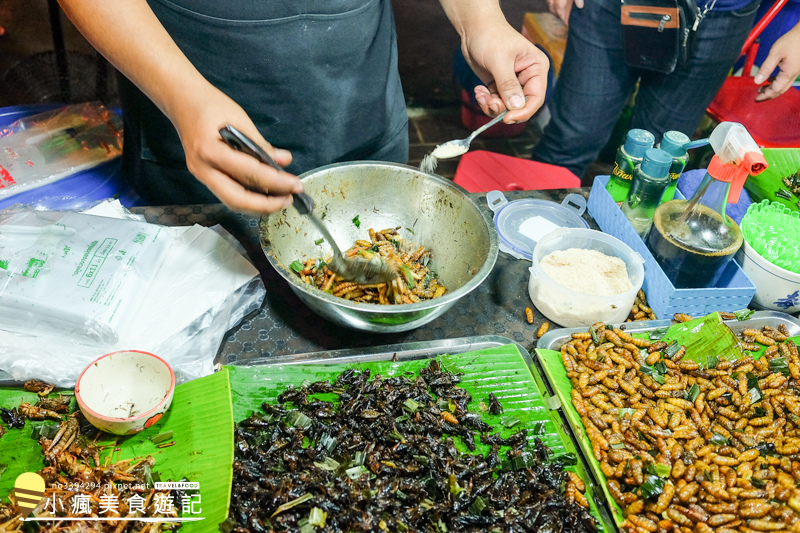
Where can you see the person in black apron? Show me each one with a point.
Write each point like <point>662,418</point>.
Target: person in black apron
<point>318,78</point>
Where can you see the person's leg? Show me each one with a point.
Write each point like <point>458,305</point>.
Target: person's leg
<point>592,88</point>
<point>679,100</point>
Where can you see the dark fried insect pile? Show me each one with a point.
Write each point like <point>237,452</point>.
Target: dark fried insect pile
<point>383,456</point>
<point>793,184</point>
<point>641,309</point>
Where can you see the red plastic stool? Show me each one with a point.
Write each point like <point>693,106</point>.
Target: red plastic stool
<point>482,171</point>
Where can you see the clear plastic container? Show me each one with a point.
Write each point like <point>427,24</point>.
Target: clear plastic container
<point>522,223</point>
<point>569,308</point>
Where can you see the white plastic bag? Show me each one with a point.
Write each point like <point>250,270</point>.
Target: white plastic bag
<point>204,287</point>
<point>46,147</point>
<point>65,273</point>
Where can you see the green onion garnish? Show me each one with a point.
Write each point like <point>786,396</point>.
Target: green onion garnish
<point>356,472</point>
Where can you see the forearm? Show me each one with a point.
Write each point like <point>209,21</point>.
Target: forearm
<point>130,36</point>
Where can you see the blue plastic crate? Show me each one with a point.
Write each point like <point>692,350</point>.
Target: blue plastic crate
<point>733,290</point>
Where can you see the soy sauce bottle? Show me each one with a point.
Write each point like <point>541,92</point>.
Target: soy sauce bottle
<point>693,240</point>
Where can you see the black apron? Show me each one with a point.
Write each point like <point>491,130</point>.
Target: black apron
<point>318,78</point>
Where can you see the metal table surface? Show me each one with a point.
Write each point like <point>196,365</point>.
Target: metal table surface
<point>284,325</point>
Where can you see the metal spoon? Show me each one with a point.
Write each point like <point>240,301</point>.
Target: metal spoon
<point>456,147</point>
<point>363,271</point>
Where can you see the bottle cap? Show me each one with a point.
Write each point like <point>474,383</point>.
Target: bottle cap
<point>674,143</point>
<point>656,163</point>
<point>638,141</point>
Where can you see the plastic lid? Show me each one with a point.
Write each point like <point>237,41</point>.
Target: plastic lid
<point>638,141</point>
<point>656,162</point>
<point>522,223</point>
<point>673,142</point>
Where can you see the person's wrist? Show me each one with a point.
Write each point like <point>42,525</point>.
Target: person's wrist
<point>191,114</point>
<point>481,19</point>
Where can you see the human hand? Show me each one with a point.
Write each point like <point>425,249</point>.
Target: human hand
<point>785,55</point>
<point>239,180</point>
<point>514,70</point>
<point>562,8</point>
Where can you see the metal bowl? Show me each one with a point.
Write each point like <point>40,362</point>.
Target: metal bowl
<point>432,211</point>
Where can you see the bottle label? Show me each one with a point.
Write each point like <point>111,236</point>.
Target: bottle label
<point>621,174</point>
<point>674,176</point>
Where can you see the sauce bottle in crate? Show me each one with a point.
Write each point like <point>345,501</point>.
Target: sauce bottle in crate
<point>674,143</point>
<point>650,179</point>
<point>693,240</point>
<point>629,155</point>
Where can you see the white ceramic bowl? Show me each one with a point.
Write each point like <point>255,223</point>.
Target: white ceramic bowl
<point>569,308</point>
<point>125,392</point>
<point>776,287</point>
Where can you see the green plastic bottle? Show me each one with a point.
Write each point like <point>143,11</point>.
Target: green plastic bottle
<point>650,178</point>
<point>674,143</point>
<point>628,156</point>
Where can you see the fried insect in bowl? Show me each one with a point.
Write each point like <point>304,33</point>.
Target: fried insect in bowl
<point>351,198</point>
<point>414,281</point>
<point>125,392</point>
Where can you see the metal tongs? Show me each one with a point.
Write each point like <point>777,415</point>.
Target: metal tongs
<point>363,271</point>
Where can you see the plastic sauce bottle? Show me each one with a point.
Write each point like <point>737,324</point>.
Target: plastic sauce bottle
<point>628,156</point>
<point>693,240</point>
<point>650,179</point>
<point>674,143</point>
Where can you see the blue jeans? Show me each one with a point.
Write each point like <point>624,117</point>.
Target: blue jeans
<point>595,83</point>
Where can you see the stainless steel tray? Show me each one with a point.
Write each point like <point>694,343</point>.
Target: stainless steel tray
<point>403,351</point>
<point>431,349</point>
<point>552,340</point>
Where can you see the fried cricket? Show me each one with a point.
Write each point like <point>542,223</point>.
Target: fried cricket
<point>40,387</point>
<point>79,485</point>
<point>383,457</point>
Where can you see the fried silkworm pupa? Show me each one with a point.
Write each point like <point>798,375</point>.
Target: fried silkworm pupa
<point>542,329</point>
<point>529,315</point>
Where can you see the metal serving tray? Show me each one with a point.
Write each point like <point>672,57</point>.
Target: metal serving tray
<point>403,351</point>
<point>552,340</point>
<point>430,349</point>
